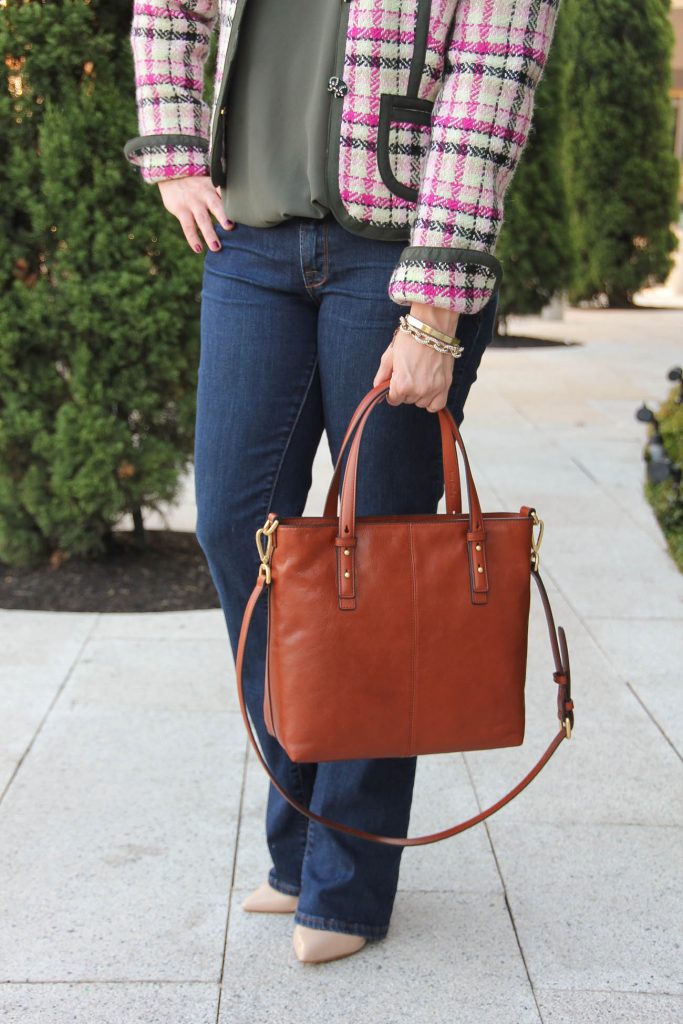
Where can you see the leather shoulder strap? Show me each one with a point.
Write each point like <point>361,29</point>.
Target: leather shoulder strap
<point>565,707</point>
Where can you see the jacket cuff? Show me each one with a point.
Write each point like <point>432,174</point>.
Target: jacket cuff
<point>462,280</point>
<point>160,157</point>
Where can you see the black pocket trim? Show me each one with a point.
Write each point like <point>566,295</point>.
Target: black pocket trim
<point>395,107</point>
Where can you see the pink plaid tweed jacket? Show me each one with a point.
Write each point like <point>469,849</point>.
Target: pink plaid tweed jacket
<point>432,104</point>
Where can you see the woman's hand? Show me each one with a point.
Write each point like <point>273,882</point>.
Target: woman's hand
<point>419,374</point>
<point>192,199</point>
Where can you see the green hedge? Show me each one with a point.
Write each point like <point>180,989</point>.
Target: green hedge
<point>99,291</point>
<point>666,497</point>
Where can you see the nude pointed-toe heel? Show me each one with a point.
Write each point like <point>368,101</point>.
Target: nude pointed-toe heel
<point>266,900</point>
<point>316,946</point>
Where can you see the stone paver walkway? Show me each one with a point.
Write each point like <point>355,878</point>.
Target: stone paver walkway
<point>131,820</point>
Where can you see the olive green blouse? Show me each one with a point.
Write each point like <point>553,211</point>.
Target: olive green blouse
<point>277,111</point>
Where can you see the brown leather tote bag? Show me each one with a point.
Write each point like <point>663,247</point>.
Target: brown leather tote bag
<point>392,636</point>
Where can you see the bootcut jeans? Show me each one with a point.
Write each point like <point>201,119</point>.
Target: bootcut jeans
<point>294,320</point>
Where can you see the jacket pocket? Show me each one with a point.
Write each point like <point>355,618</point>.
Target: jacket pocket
<point>403,136</point>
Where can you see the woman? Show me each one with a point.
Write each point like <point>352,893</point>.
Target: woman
<point>356,163</point>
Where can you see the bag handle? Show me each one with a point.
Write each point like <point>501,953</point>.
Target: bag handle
<point>451,472</point>
<point>565,706</point>
<point>345,542</point>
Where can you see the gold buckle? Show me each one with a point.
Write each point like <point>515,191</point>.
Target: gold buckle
<point>536,543</point>
<point>267,530</point>
<point>567,728</point>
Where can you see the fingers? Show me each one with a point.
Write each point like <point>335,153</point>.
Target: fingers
<point>205,224</point>
<point>189,226</point>
<point>405,387</point>
<point>215,206</point>
<point>385,366</point>
<point>439,402</point>
<point>193,200</point>
<point>396,394</point>
<point>420,376</point>
<point>405,392</point>
<point>432,403</point>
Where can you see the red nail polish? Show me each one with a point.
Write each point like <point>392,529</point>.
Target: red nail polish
<point>197,248</point>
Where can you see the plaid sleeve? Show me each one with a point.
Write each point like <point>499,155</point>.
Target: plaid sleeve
<point>170,41</point>
<point>480,124</point>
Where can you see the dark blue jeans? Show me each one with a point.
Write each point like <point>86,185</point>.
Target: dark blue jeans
<point>294,320</point>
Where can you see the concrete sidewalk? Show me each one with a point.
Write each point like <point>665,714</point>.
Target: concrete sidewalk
<point>131,823</point>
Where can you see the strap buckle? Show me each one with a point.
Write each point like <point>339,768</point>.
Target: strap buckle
<point>267,531</point>
<point>535,542</point>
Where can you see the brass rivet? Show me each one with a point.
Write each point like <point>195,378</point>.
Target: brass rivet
<point>346,551</point>
<point>347,574</point>
<point>479,569</point>
<point>478,547</point>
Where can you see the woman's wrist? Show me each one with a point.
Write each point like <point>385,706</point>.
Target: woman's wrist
<point>443,319</point>
<point>428,335</point>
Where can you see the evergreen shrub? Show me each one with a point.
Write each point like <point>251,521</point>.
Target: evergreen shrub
<point>99,301</point>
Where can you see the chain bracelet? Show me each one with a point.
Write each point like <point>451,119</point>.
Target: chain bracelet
<point>446,348</point>
<point>433,332</point>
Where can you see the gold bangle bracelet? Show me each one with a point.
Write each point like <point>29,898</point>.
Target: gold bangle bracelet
<point>451,344</point>
<point>446,348</point>
<point>448,339</point>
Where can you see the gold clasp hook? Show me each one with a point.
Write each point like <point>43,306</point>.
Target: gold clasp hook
<point>536,543</point>
<point>267,530</point>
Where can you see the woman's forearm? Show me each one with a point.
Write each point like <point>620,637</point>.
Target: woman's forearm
<point>445,320</point>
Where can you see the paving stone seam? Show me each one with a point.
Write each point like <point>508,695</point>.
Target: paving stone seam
<point>508,906</point>
<point>48,711</point>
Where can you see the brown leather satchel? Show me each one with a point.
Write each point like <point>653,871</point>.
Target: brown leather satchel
<point>391,636</point>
